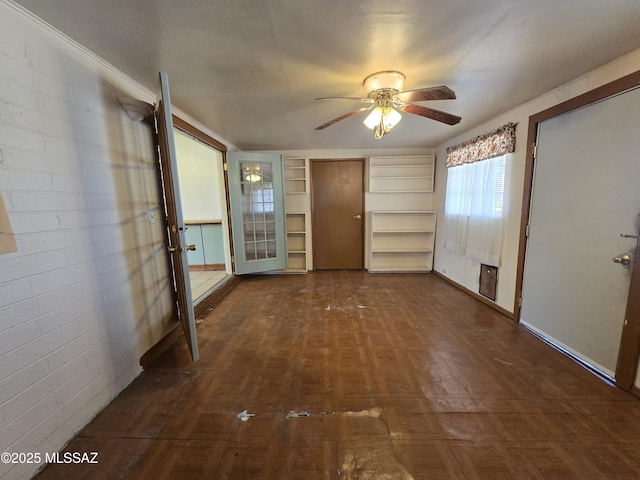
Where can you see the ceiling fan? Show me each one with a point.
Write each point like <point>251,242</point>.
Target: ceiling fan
<point>384,93</point>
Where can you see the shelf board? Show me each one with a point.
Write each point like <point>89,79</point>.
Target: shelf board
<point>399,269</point>
<point>410,230</point>
<point>392,177</point>
<point>400,191</point>
<point>401,250</point>
<point>408,212</point>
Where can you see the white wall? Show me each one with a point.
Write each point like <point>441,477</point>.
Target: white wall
<point>464,271</point>
<point>88,291</point>
<point>199,180</point>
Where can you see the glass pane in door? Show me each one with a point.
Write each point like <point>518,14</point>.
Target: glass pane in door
<point>258,212</point>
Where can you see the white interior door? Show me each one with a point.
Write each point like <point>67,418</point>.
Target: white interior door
<point>256,197</point>
<point>585,195</point>
<point>176,229</point>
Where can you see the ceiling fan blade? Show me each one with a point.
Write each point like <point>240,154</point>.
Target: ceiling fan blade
<point>424,94</point>
<point>431,113</point>
<point>342,117</point>
<point>357,99</point>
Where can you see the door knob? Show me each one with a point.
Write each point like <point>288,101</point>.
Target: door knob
<point>623,259</point>
<point>357,217</point>
<point>182,248</point>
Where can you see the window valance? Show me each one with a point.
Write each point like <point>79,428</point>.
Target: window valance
<point>490,145</point>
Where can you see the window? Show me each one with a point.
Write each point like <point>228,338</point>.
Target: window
<point>476,188</point>
<point>474,202</point>
<point>474,209</point>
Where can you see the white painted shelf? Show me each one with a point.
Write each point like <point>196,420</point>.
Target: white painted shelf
<point>295,176</point>
<point>402,241</point>
<point>405,174</point>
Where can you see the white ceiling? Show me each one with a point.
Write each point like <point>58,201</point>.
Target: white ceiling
<point>250,70</point>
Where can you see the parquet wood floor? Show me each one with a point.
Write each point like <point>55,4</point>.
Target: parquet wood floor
<point>387,377</point>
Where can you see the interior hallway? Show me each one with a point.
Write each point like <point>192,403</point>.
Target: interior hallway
<point>402,376</point>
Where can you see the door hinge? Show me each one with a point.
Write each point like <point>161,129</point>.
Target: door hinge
<point>233,259</point>
<point>225,166</point>
<point>535,151</point>
<point>526,230</point>
<point>520,301</point>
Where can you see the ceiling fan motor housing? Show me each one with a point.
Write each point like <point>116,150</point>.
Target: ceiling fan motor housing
<point>388,81</point>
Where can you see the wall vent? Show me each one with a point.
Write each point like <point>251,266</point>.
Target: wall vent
<point>488,281</point>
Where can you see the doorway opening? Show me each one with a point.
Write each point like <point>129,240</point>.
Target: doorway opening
<point>204,207</point>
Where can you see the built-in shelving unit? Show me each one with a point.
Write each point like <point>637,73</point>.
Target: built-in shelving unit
<point>401,225</point>
<point>295,176</point>
<point>402,241</point>
<point>297,214</point>
<point>296,243</point>
<point>412,174</point>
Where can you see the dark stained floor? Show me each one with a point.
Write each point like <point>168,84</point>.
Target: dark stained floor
<point>356,376</point>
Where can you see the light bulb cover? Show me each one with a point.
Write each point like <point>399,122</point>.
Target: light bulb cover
<point>388,117</point>
<point>373,119</point>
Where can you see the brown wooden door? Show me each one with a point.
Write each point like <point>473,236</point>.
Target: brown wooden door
<point>337,214</point>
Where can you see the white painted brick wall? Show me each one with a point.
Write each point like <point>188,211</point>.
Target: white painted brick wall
<point>88,291</point>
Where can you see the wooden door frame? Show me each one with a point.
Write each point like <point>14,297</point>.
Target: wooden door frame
<point>313,229</point>
<point>630,343</point>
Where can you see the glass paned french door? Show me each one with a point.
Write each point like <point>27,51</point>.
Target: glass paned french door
<point>257,211</point>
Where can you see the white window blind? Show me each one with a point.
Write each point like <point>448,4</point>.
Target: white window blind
<point>474,209</point>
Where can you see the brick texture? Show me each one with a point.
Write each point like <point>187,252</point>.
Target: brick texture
<point>87,293</point>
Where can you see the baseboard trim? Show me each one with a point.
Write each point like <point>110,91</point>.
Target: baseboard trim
<point>207,267</point>
<point>477,296</point>
<point>159,348</point>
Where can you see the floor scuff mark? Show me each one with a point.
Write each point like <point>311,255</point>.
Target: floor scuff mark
<point>291,414</point>
<point>504,362</point>
<point>372,412</point>
<point>244,416</point>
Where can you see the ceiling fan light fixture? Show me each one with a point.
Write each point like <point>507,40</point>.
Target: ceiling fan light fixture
<point>385,80</point>
<point>382,119</point>
<point>253,177</point>
<point>252,174</point>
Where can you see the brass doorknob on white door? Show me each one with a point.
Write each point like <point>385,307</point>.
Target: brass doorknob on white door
<point>357,217</point>
<point>623,259</point>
